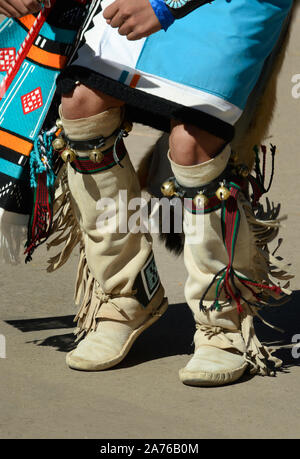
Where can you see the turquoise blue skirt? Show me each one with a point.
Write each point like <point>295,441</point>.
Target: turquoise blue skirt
<point>208,62</point>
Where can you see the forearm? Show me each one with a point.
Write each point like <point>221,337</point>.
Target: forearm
<point>136,19</point>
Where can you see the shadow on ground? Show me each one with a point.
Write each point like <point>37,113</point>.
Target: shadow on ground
<point>173,333</point>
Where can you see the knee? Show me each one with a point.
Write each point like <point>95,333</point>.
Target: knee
<point>83,102</point>
<point>190,145</point>
<point>183,145</point>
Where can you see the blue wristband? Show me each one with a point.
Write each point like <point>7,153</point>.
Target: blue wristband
<point>163,13</point>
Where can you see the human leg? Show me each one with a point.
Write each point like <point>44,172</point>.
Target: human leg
<point>117,276</point>
<point>226,271</point>
<point>202,95</point>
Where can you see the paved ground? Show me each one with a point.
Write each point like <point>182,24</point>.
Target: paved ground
<point>142,397</point>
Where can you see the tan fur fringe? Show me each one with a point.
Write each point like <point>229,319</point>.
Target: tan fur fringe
<point>259,125</point>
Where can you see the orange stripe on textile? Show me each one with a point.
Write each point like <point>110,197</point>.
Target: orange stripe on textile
<point>13,142</point>
<point>135,80</point>
<point>24,48</point>
<point>43,57</point>
<point>27,21</point>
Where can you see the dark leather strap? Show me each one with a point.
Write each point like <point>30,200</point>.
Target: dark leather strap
<point>90,144</point>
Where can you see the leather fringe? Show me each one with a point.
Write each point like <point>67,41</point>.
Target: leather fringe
<point>257,355</point>
<point>64,227</point>
<point>13,232</point>
<point>88,294</point>
<point>264,228</point>
<point>90,297</point>
<point>66,231</point>
<point>90,304</point>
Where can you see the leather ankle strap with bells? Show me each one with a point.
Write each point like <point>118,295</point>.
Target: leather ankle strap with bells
<point>94,147</point>
<point>206,197</point>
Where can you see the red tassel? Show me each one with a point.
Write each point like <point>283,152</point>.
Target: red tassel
<point>273,288</point>
<point>40,224</point>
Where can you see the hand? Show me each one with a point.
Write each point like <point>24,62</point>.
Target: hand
<point>19,8</point>
<point>134,18</point>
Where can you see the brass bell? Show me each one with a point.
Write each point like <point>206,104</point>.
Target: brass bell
<point>234,157</point>
<point>68,155</point>
<point>96,156</point>
<point>127,126</point>
<point>59,123</point>
<point>243,170</point>
<point>200,200</point>
<point>59,144</point>
<point>168,188</point>
<point>222,193</point>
